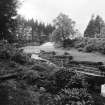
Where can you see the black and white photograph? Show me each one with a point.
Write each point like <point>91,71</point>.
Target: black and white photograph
<point>52,52</point>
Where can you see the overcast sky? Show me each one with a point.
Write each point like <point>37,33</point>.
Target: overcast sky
<point>79,10</point>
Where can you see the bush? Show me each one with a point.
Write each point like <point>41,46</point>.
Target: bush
<point>74,97</point>
<point>80,45</point>
<point>11,53</point>
<point>30,76</point>
<point>5,50</point>
<point>11,93</point>
<point>59,80</point>
<point>80,42</point>
<point>53,53</point>
<point>90,44</point>
<point>80,49</point>
<point>77,81</point>
<point>89,48</point>
<point>66,53</point>
<point>102,68</point>
<point>20,57</point>
<point>68,43</point>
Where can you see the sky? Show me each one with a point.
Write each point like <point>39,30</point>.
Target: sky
<point>79,11</point>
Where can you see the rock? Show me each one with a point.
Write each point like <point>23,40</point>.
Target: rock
<point>42,89</point>
<point>103,90</point>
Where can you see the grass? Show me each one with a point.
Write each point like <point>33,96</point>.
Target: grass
<point>78,56</point>
<point>35,80</point>
<point>83,56</point>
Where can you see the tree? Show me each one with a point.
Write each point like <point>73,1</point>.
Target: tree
<point>90,29</point>
<point>64,28</point>
<point>7,21</point>
<point>103,32</point>
<point>31,30</point>
<point>23,29</point>
<point>100,26</point>
<point>94,27</point>
<point>32,26</point>
<point>99,23</point>
<point>40,31</point>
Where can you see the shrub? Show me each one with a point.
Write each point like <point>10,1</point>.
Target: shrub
<point>68,43</point>
<point>5,54</point>
<point>90,44</point>
<point>20,57</point>
<point>80,45</point>
<point>102,68</point>
<point>59,80</point>
<point>89,48</point>
<point>74,96</point>
<point>11,53</point>
<point>5,51</point>
<point>76,81</point>
<point>53,53</point>
<point>66,53</point>
<point>80,49</point>
<point>30,76</point>
<point>11,93</point>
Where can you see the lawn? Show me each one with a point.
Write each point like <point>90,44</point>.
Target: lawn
<point>78,56</point>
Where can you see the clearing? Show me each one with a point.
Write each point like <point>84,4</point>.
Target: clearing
<point>78,56</point>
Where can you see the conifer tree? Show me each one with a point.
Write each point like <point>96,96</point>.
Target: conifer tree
<point>7,21</point>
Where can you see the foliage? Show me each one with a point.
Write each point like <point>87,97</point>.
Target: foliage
<point>68,97</point>
<point>12,93</point>
<point>94,27</point>
<point>63,77</point>
<point>77,81</point>
<point>40,83</point>
<point>91,44</point>
<point>54,83</point>
<point>64,28</point>
<point>90,31</point>
<point>11,53</point>
<point>67,43</point>
<point>74,96</point>
<point>34,31</point>
<point>89,48</point>
<point>7,21</point>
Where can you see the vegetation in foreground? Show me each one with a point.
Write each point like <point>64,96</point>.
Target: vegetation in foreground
<point>24,81</point>
<point>29,82</point>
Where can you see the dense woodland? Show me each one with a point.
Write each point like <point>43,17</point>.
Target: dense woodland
<point>32,30</point>
<point>55,81</point>
<point>95,28</point>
